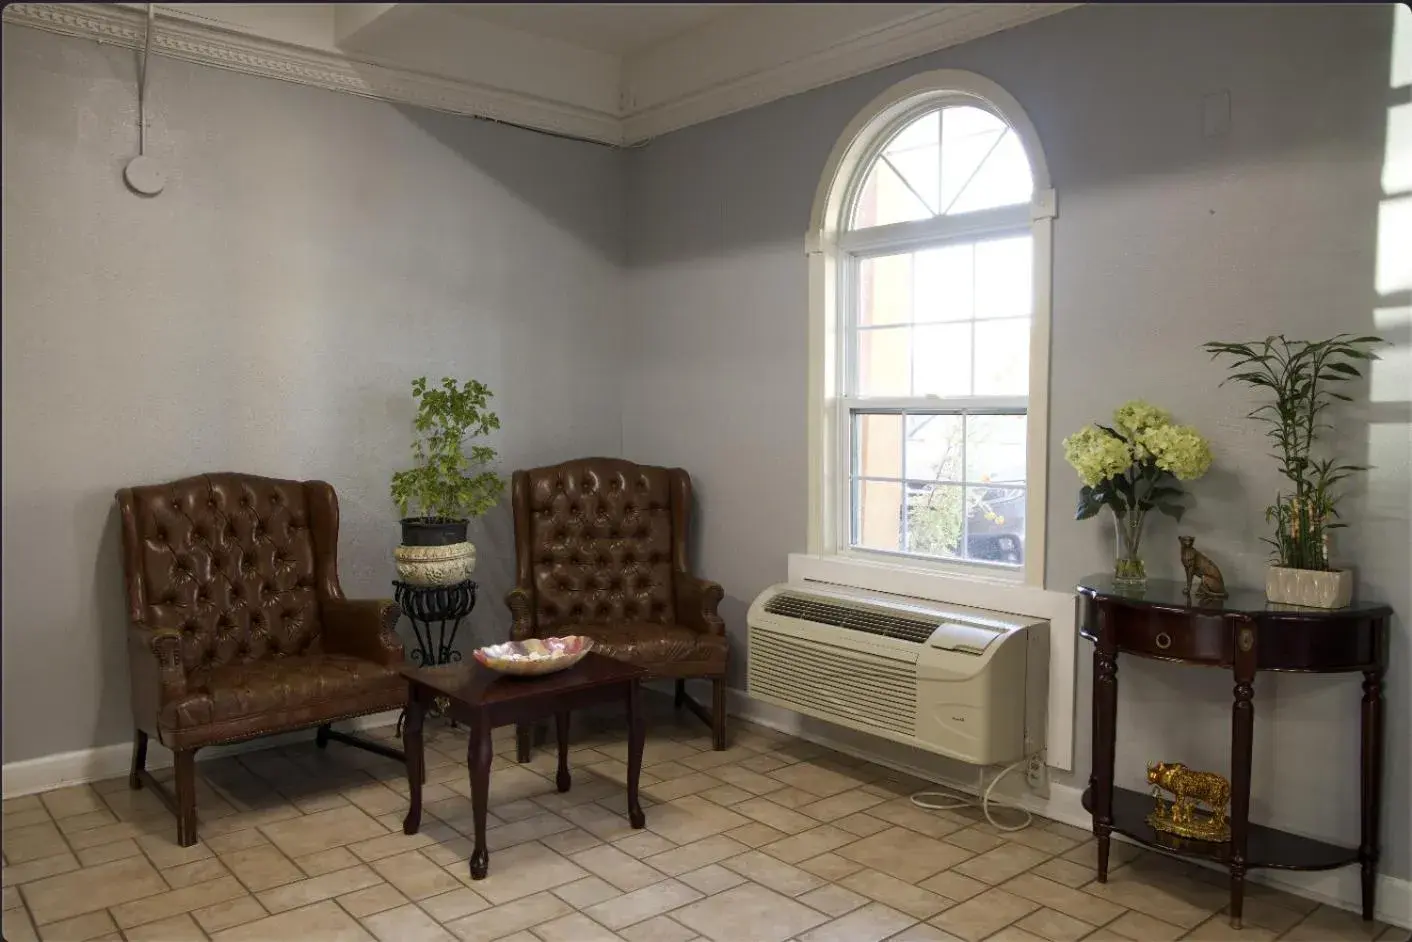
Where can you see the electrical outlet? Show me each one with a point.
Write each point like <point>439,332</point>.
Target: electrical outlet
<point>1037,775</point>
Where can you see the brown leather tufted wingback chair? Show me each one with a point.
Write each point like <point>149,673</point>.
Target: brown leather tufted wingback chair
<point>239,627</point>
<point>600,550</point>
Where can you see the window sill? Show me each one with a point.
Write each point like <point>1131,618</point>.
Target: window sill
<point>912,566</point>
<point>897,578</point>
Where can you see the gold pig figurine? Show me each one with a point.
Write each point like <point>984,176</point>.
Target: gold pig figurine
<point>1189,787</point>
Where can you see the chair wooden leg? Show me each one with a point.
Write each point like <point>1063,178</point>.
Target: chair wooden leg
<point>321,737</point>
<point>186,797</point>
<point>718,713</point>
<point>139,760</point>
<point>680,697</point>
<point>522,742</point>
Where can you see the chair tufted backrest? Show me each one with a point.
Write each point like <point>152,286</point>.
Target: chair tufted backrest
<point>235,562</point>
<point>597,539</point>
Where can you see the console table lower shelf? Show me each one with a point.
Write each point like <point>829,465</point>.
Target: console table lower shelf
<point>1267,848</point>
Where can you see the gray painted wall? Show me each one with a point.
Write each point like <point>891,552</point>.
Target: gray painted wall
<point>313,252</point>
<point>1165,239</point>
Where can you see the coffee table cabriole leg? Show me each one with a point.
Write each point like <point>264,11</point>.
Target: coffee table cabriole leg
<point>478,759</point>
<point>561,731</point>
<point>636,734</point>
<point>416,759</point>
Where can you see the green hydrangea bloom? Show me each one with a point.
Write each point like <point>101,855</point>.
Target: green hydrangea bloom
<point>1179,449</point>
<point>1137,416</point>
<point>1096,455</point>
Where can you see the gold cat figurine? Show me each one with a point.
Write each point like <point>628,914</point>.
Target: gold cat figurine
<point>1197,564</point>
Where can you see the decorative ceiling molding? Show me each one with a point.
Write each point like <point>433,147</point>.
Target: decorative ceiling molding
<point>947,25</point>
<point>178,38</point>
<point>691,78</point>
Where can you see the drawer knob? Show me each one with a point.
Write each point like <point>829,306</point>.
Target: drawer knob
<point>1164,640</point>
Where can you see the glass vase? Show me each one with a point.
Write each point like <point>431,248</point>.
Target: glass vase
<point>1129,572</point>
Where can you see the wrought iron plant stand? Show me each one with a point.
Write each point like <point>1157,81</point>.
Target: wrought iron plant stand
<point>441,606</point>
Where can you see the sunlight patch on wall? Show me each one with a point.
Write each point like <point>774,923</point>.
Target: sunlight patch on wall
<point>1401,47</point>
<point>1397,160</point>
<point>1394,265</point>
<point>1391,376</point>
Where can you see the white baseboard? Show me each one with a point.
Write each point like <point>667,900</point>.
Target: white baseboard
<point>93,765</point>
<point>1340,888</point>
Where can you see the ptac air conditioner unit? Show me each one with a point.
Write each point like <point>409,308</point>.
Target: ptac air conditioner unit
<point>963,682</point>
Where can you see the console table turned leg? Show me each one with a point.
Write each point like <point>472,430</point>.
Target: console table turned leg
<point>1242,741</point>
<point>1105,720</point>
<point>1371,780</point>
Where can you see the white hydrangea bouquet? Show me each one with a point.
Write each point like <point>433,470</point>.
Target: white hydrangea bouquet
<point>1131,467</point>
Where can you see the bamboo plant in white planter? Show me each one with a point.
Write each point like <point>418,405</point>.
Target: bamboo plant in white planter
<point>1300,377</point>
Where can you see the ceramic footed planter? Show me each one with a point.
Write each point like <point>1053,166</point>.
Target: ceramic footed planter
<point>434,552</point>
<point>1309,587</point>
<point>435,565</point>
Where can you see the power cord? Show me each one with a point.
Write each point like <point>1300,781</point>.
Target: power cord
<point>143,174</point>
<point>142,83</point>
<point>927,799</point>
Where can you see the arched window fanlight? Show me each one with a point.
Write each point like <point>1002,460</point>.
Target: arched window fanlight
<point>949,160</point>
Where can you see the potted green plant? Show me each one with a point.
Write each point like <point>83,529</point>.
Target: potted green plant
<point>447,485</point>
<point>1299,378</point>
<point>1132,467</point>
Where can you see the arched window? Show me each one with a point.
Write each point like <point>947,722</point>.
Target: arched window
<point>931,246</point>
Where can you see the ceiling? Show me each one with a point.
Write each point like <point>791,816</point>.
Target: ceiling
<point>615,28</point>
<point>614,73</point>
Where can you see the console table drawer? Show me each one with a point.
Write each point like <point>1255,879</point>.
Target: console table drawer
<point>1161,635</point>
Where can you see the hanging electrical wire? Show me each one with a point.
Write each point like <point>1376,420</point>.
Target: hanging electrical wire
<point>142,83</point>
<point>143,174</point>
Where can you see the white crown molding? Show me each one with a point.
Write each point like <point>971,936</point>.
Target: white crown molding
<point>864,51</point>
<point>204,44</point>
<point>693,78</point>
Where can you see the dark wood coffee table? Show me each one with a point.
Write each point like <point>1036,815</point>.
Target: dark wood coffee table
<point>482,700</point>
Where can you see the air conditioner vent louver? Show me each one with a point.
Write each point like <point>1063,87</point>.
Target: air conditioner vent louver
<point>851,618</point>
<point>834,683</point>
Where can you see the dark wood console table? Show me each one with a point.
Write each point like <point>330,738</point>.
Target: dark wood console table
<point>1246,634</point>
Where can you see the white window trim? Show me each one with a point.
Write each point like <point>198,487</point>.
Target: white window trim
<point>827,244</point>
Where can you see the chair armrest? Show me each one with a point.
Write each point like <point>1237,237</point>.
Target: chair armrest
<point>362,628</point>
<point>697,601</point>
<point>154,655</point>
<point>521,614</point>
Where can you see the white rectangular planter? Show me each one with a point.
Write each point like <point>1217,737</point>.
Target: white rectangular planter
<point>1309,587</point>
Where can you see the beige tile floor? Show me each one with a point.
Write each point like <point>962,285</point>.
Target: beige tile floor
<point>771,840</point>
